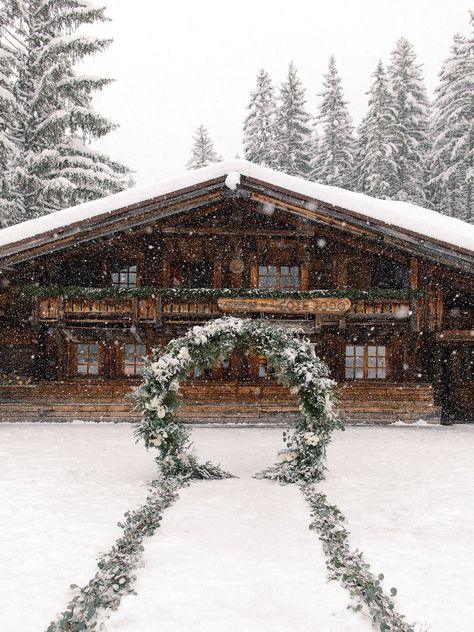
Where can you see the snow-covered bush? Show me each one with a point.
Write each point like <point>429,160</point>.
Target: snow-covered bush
<point>296,365</point>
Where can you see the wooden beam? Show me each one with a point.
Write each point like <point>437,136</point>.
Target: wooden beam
<point>413,273</point>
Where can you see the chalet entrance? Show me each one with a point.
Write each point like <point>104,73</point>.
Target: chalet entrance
<point>457,382</point>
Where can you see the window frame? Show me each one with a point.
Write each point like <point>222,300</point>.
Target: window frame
<point>263,370</point>
<point>381,362</point>
<point>118,269</point>
<point>77,355</point>
<point>136,358</point>
<point>278,277</point>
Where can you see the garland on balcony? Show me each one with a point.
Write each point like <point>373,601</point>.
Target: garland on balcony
<point>296,365</point>
<point>98,293</point>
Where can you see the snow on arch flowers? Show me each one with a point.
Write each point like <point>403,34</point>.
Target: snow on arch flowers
<point>294,359</point>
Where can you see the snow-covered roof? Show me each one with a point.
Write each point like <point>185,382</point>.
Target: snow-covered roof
<point>426,223</point>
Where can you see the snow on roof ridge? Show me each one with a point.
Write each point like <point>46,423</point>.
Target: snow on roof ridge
<point>416,219</point>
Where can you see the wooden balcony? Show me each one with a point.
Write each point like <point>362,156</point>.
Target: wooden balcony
<point>157,310</point>
<point>89,310</point>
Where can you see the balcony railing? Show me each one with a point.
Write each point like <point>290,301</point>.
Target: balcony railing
<point>159,309</point>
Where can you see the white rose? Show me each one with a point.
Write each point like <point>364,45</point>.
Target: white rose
<point>311,438</point>
<point>287,456</point>
<point>160,412</point>
<point>157,441</point>
<point>154,402</point>
<point>184,354</point>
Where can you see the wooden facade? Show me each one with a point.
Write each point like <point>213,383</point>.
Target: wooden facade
<point>394,322</point>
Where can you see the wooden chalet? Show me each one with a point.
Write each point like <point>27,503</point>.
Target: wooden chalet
<point>384,290</point>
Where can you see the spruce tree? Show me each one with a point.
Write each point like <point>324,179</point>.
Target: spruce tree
<point>335,165</point>
<point>452,154</point>
<point>314,148</point>
<point>8,113</point>
<point>293,133</point>
<point>376,168</point>
<point>55,166</point>
<point>259,125</point>
<point>411,136</point>
<point>202,151</point>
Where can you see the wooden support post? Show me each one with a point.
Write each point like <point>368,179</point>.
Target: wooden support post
<point>439,309</point>
<point>317,323</point>
<point>304,276</point>
<point>431,310</point>
<point>414,273</point>
<point>61,310</point>
<point>340,271</point>
<point>253,274</point>
<point>135,310</point>
<point>159,311</point>
<point>217,273</point>
<point>415,315</point>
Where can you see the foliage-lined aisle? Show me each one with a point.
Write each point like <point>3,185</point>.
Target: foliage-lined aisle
<point>235,555</point>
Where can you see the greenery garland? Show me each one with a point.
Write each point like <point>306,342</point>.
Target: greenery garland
<point>296,365</point>
<point>98,293</point>
<point>350,568</point>
<point>115,578</point>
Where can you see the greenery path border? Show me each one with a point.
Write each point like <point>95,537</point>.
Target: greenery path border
<point>115,577</point>
<point>350,568</point>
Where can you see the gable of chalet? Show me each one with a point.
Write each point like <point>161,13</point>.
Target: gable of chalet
<point>291,201</point>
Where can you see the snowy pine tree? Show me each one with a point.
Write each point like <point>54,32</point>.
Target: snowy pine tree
<point>8,113</point>
<point>55,167</point>
<point>293,134</point>
<point>259,125</point>
<point>452,153</point>
<point>202,151</point>
<point>376,168</point>
<point>314,148</point>
<point>411,125</point>
<point>335,165</point>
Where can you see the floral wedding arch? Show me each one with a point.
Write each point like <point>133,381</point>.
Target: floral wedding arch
<point>296,365</point>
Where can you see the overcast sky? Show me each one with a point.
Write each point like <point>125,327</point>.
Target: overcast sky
<point>178,63</point>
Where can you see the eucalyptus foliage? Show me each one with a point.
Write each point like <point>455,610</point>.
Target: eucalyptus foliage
<point>296,365</point>
<point>115,577</point>
<point>350,568</point>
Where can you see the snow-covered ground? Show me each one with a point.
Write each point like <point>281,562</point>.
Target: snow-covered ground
<point>237,554</point>
<point>62,491</point>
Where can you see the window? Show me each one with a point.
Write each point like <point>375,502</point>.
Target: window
<point>366,362</point>
<point>134,359</point>
<point>278,277</point>
<point>125,276</point>
<point>87,358</point>
<point>264,371</point>
<point>199,373</point>
<point>225,368</point>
